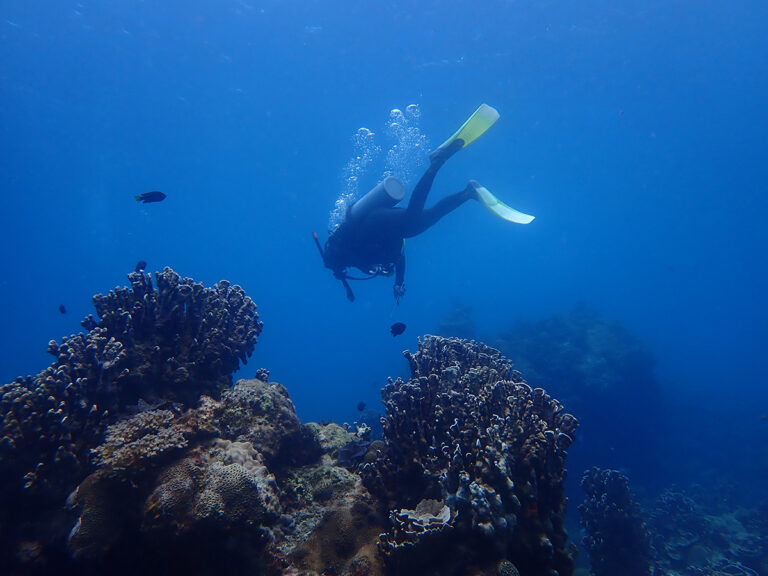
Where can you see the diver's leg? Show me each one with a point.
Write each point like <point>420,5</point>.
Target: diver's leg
<point>430,216</point>
<point>436,161</point>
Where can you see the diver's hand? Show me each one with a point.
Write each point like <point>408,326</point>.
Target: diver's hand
<point>399,291</point>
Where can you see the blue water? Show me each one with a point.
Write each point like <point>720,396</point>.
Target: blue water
<point>633,131</point>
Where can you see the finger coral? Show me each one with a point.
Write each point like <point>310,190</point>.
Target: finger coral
<point>617,540</point>
<point>169,344</point>
<point>467,431</point>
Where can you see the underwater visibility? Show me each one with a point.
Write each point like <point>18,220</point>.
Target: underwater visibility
<point>437,383</point>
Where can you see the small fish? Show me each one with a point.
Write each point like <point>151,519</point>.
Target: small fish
<point>149,197</point>
<point>62,309</point>
<point>397,329</point>
<point>361,406</point>
<point>140,266</point>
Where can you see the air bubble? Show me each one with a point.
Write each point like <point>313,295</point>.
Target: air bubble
<point>404,159</point>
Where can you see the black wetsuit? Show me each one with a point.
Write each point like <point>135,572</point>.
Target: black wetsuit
<point>374,243</point>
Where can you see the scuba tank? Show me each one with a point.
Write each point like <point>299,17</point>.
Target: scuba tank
<point>386,194</point>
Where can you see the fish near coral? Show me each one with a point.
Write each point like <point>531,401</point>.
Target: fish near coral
<point>397,329</point>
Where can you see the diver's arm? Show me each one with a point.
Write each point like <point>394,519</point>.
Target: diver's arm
<point>399,288</point>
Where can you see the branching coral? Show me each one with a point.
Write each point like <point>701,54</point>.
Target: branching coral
<point>468,431</point>
<point>180,340</point>
<point>169,344</point>
<point>617,539</point>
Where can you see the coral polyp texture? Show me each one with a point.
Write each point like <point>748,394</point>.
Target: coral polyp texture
<point>617,539</point>
<point>176,341</point>
<point>473,462</point>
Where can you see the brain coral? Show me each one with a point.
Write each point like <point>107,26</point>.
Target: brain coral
<point>222,483</point>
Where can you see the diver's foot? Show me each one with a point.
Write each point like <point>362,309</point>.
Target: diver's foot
<point>471,190</point>
<point>441,154</point>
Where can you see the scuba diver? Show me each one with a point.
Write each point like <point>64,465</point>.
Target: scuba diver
<point>372,236</point>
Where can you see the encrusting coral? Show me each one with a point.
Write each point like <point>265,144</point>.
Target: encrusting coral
<point>131,444</point>
<point>262,413</point>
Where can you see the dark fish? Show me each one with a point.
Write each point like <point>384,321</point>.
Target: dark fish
<point>62,309</point>
<point>149,197</point>
<point>361,406</point>
<point>397,328</point>
<point>140,265</point>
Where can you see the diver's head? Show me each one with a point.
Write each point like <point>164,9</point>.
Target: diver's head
<point>334,253</point>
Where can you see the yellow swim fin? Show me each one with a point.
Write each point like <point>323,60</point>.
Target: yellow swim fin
<point>498,207</point>
<point>477,124</point>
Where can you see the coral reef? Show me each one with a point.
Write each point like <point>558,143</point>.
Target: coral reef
<point>177,342</point>
<point>167,345</point>
<point>411,528</point>
<point>703,531</point>
<point>331,523</point>
<point>617,539</point>
<point>346,447</point>
<point>131,444</point>
<point>506,568</point>
<point>580,354</point>
<point>194,483</point>
<point>135,454</point>
<point>466,431</point>
<point>601,372</point>
<point>221,482</point>
<point>174,343</point>
<point>47,431</point>
<point>262,413</point>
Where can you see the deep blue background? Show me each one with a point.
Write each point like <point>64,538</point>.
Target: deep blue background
<point>634,131</point>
